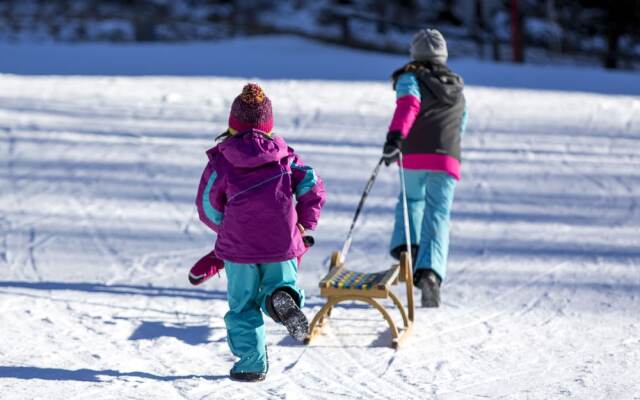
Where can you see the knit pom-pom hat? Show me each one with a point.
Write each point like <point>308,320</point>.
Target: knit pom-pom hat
<point>251,110</point>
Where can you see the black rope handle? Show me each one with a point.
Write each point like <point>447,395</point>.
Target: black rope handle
<point>367,188</point>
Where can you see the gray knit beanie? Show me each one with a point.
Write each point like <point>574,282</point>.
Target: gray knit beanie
<point>429,45</point>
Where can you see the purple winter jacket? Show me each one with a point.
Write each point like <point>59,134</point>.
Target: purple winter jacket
<point>248,194</point>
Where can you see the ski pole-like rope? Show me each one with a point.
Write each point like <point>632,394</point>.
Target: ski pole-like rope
<point>365,194</point>
<point>405,208</point>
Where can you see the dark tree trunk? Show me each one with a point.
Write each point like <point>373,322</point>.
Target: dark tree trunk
<point>615,19</point>
<point>479,28</point>
<point>382,11</point>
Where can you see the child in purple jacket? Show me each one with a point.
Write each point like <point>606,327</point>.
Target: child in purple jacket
<point>259,197</point>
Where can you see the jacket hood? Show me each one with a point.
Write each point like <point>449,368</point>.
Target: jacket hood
<point>442,82</point>
<point>252,149</point>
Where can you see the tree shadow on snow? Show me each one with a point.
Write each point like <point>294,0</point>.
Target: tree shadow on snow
<point>127,290</point>
<point>90,375</point>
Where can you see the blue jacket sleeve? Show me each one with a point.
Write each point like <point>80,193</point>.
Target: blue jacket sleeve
<point>309,191</point>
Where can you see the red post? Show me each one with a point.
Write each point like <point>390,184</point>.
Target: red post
<point>516,33</point>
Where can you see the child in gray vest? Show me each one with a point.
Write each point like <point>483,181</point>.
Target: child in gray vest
<point>427,126</point>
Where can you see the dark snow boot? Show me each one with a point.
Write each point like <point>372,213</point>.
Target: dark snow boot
<point>247,376</point>
<point>429,283</point>
<point>288,313</point>
<point>396,251</point>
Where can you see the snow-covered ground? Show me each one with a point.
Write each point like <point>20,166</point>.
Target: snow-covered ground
<point>283,57</point>
<point>98,229</point>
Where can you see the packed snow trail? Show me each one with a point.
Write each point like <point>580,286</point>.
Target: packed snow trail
<point>98,229</point>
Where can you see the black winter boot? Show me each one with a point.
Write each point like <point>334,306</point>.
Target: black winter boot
<point>429,283</point>
<point>289,314</point>
<point>247,376</point>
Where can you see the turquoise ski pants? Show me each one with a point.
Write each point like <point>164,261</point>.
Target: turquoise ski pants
<point>429,200</point>
<point>248,286</point>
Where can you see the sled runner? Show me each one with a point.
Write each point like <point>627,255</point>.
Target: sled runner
<point>341,284</point>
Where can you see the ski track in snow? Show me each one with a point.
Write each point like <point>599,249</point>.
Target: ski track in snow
<point>98,230</point>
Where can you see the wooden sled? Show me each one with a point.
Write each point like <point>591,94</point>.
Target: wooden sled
<point>342,285</point>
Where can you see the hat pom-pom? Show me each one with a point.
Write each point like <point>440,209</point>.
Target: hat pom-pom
<point>252,93</point>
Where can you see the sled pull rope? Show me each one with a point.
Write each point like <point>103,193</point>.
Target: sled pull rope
<point>405,208</point>
<point>347,243</point>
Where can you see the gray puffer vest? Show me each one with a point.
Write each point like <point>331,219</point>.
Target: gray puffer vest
<point>437,128</point>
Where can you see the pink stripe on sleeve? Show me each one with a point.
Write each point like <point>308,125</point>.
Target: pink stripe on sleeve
<point>407,108</point>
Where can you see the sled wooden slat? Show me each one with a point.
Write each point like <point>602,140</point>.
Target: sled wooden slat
<point>340,285</point>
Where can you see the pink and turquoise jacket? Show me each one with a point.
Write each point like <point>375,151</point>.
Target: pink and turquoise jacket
<point>253,192</point>
<point>431,116</point>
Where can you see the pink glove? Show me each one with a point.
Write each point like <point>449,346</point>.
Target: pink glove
<point>205,268</point>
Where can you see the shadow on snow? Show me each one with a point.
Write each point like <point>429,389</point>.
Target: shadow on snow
<point>192,335</point>
<point>90,375</point>
<point>127,290</point>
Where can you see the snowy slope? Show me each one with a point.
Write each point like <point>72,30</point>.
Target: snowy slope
<point>98,230</point>
<point>286,57</point>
